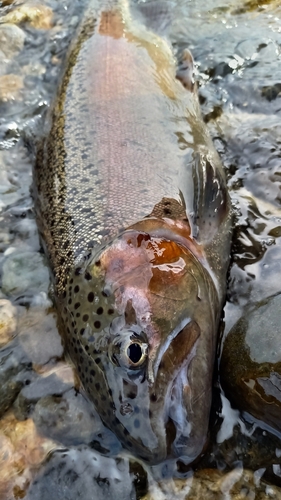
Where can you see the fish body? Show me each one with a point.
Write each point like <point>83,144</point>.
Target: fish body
<point>134,214</point>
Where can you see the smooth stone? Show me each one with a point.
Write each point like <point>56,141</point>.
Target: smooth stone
<point>71,419</point>
<point>11,40</point>
<point>39,337</point>
<point>41,388</point>
<point>24,272</point>
<point>250,366</point>
<point>82,473</point>
<point>15,371</point>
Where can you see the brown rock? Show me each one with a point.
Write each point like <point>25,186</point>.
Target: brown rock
<point>251,362</point>
<point>10,87</point>
<point>8,321</point>
<point>209,484</point>
<point>22,450</point>
<point>39,16</point>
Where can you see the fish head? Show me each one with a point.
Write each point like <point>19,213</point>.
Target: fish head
<point>144,308</point>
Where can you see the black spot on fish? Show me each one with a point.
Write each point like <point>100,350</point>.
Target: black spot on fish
<point>77,305</point>
<point>91,297</point>
<point>87,276</point>
<point>167,211</point>
<point>97,324</point>
<point>97,386</point>
<point>82,331</point>
<point>136,423</point>
<point>153,397</point>
<point>76,289</point>
<point>87,348</point>
<point>69,301</point>
<point>85,317</point>
<point>110,311</point>
<point>93,373</point>
<point>99,310</point>
<point>98,360</point>
<point>78,271</point>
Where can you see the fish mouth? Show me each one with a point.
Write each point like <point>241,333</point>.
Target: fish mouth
<point>175,393</point>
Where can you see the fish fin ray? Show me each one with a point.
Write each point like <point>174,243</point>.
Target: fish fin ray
<point>211,200</point>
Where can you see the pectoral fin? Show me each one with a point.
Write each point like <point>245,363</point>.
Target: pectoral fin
<point>211,199</point>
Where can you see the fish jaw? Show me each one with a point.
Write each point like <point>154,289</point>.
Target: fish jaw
<point>135,314</point>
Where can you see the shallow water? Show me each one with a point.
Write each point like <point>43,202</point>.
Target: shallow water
<point>237,52</point>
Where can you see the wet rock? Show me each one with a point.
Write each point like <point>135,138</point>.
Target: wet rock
<point>82,473</point>
<point>70,419</point>
<point>39,16</point>
<point>15,371</point>
<point>239,441</point>
<point>67,418</point>
<point>212,484</point>
<point>11,87</point>
<point>21,452</point>
<point>11,40</point>
<point>58,382</point>
<point>251,362</point>
<point>25,271</point>
<point>39,337</point>
<point>8,321</point>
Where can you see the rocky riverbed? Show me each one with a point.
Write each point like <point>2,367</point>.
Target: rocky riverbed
<point>53,444</point>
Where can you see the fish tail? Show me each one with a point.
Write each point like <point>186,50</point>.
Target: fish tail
<point>156,15</point>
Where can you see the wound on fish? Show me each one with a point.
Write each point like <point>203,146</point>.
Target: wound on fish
<point>133,209</point>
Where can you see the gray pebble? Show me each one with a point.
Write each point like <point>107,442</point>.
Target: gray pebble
<point>11,40</point>
<point>25,271</point>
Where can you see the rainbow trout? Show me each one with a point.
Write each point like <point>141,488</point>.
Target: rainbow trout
<point>134,214</point>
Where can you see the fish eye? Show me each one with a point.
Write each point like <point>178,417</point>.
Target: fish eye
<point>129,352</point>
<point>136,353</point>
